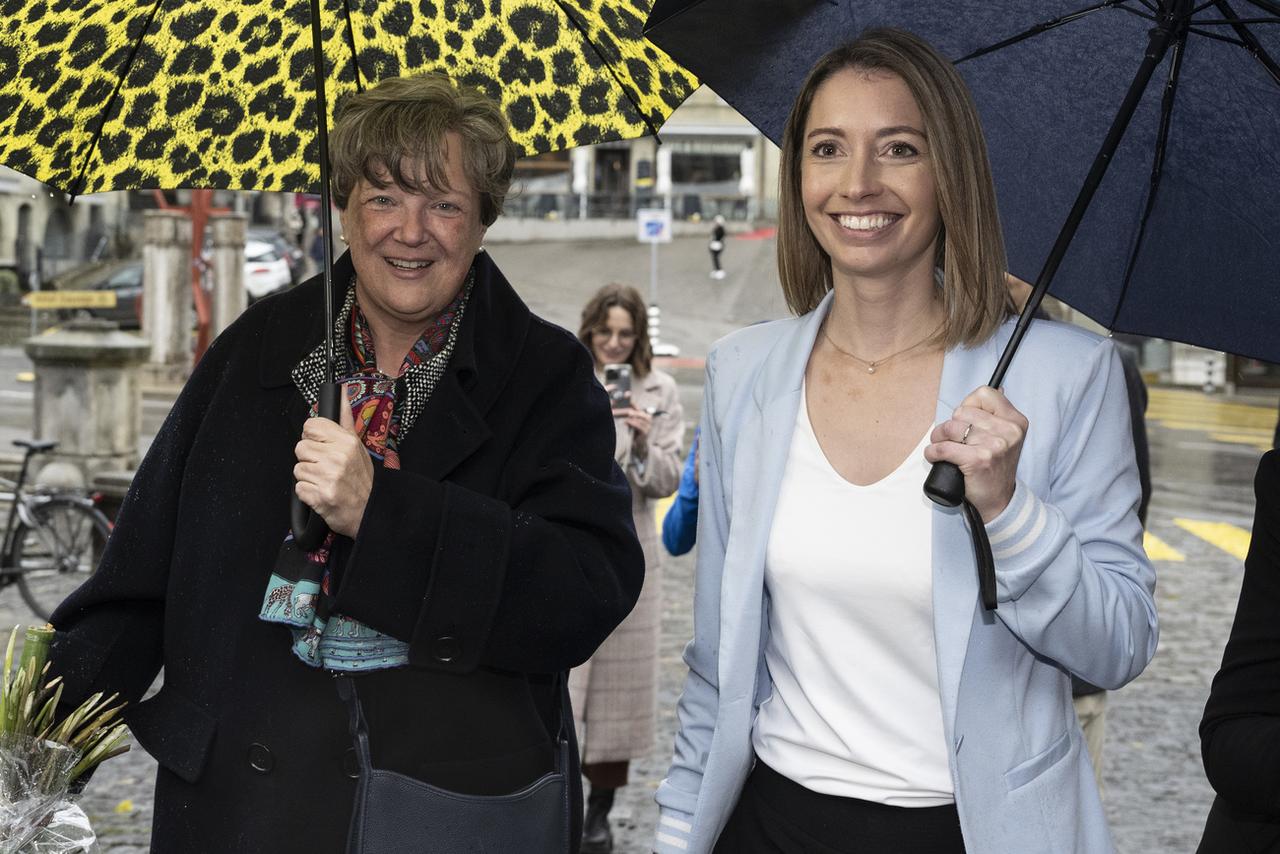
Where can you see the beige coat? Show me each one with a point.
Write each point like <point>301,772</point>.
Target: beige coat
<point>615,697</point>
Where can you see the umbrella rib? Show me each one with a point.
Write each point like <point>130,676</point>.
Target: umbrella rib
<point>1238,21</point>
<point>1251,43</point>
<point>1143,15</point>
<point>1218,37</point>
<point>586,39</point>
<point>1271,7</point>
<point>351,41</point>
<point>82,179</point>
<point>1044,27</point>
<point>1157,165</point>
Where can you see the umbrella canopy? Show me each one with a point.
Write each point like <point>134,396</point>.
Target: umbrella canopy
<point>1181,240</point>
<point>130,94</point>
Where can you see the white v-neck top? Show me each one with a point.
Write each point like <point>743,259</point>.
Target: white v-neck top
<point>855,710</point>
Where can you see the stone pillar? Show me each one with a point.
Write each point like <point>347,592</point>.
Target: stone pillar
<point>747,179</point>
<point>87,397</point>
<point>580,184</point>
<point>229,297</point>
<point>166,301</point>
<point>662,183</point>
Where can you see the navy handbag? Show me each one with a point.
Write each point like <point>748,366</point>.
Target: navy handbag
<point>395,814</point>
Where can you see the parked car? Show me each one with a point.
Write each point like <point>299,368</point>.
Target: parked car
<point>284,248</point>
<point>265,270</point>
<point>126,281</point>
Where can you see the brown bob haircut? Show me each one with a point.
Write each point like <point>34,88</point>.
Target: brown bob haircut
<point>971,246</point>
<point>404,120</point>
<point>596,313</point>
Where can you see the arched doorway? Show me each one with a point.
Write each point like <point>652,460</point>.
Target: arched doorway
<point>57,245</point>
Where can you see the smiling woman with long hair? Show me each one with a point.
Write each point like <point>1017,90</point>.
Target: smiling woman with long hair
<point>846,691</point>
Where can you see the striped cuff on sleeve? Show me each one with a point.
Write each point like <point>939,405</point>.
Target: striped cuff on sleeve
<point>1018,526</point>
<point>673,833</point>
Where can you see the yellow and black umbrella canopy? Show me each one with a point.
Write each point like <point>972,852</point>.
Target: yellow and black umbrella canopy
<point>129,94</point>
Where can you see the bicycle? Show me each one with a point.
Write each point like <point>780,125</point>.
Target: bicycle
<point>52,539</point>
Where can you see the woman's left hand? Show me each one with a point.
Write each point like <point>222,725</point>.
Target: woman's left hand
<point>984,438</point>
<point>334,473</point>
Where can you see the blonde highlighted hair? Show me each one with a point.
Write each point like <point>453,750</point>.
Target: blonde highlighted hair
<point>971,246</point>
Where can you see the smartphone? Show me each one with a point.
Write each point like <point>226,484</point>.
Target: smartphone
<point>617,381</point>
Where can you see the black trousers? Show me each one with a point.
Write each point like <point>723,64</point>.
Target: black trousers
<point>777,816</point>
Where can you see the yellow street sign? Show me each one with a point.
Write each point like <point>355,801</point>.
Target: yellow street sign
<point>70,299</point>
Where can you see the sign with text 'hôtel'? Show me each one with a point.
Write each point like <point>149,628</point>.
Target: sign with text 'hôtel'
<point>47,300</point>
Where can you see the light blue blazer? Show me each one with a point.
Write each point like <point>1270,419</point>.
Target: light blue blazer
<point>1075,588</point>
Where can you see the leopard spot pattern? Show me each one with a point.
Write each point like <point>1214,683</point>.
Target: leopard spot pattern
<point>115,94</point>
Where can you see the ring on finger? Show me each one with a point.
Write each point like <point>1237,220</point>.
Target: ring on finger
<point>965,437</point>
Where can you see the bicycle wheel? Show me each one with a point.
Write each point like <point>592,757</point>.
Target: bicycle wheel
<point>55,556</point>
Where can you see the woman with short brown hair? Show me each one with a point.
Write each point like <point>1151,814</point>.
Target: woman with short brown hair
<point>481,537</point>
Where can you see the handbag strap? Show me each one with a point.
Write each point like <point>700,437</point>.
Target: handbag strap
<point>359,728</point>
<point>355,723</point>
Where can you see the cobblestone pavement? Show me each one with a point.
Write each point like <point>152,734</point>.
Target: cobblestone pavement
<point>1155,791</point>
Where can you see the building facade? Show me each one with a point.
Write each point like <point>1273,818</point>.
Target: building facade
<point>707,160</point>
<point>43,234</point>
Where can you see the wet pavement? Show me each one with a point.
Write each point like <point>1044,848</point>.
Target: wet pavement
<point>1204,451</point>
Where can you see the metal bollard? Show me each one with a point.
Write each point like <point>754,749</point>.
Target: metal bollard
<point>655,334</point>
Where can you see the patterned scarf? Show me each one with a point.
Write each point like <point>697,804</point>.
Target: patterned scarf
<point>384,409</point>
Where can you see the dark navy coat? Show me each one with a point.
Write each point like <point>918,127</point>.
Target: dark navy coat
<point>502,551</point>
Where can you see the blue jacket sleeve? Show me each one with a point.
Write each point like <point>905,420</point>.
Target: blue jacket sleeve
<point>698,706</point>
<point>1072,579</point>
<point>680,525</point>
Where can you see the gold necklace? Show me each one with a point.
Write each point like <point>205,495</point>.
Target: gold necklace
<point>875,363</point>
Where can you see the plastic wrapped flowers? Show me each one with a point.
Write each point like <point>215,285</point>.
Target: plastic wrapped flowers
<point>42,756</point>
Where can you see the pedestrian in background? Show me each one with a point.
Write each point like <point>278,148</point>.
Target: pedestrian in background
<point>717,246</point>
<point>615,693</point>
<point>1240,731</point>
<point>935,726</point>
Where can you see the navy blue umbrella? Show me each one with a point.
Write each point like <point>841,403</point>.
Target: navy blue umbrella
<point>1175,102</point>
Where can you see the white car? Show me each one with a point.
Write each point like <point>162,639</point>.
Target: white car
<point>265,270</point>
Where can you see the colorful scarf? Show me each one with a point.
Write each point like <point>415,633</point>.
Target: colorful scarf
<point>384,409</point>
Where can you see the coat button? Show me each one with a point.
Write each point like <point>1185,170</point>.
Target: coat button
<point>446,649</point>
<point>351,764</point>
<point>260,759</point>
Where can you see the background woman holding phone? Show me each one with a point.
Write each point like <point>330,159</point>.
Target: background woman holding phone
<point>615,693</point>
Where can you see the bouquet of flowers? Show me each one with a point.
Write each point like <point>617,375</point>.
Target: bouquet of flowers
<point>42,757</point>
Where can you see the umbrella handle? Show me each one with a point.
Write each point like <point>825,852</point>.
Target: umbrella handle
<point>982,557</point>
<point>945,484</point>
<point>309,527</point>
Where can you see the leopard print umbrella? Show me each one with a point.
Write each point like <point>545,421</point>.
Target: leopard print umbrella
<point>127,94</point>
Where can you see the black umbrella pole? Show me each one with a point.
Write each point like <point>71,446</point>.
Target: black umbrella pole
<point>945,483</point>
<point>326,218</point>
<point>309,528</point>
